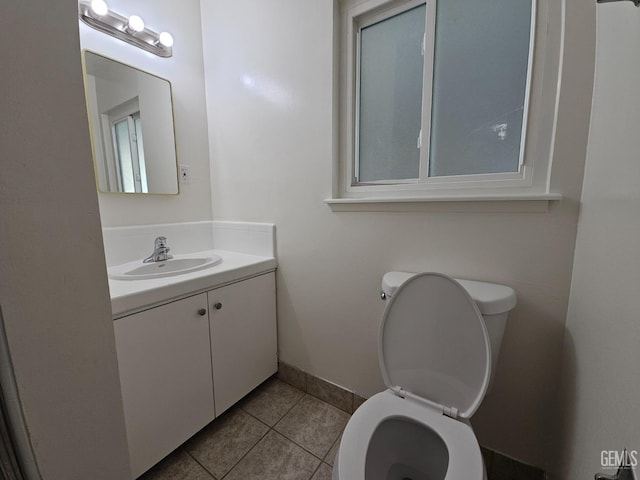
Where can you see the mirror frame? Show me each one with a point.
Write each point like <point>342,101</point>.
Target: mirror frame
<point>91,126</point>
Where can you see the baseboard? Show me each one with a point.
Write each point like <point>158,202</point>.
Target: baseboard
<point>498,466</point>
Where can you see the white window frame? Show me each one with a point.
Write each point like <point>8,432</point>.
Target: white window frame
<point>126,111</point>
<point>366,20</point>
<point>532,179</point>
<point>138,166</point>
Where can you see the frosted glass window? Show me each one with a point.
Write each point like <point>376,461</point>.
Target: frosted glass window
<point>438,91</point>
<point>480,75</point>
<point>390,97</point>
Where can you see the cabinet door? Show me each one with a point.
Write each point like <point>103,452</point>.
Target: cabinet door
<point>243,338</point>
<point>164,358</point>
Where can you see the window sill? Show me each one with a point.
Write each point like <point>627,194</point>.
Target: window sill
<point>504,203</point>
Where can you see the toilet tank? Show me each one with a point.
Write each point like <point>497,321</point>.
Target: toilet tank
<point>494,302</point>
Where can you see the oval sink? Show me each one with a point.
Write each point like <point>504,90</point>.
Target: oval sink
<point>176,266</point>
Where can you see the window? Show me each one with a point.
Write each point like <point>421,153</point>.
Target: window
<point>435,100</point>
<point>129,153</point>
<point>123,127</point>
<point>389,97</point>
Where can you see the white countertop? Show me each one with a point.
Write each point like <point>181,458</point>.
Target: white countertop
<point>130,296</point>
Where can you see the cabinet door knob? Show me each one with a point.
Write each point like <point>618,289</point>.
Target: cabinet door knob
<point>202,312</point>
<point>217,306</point>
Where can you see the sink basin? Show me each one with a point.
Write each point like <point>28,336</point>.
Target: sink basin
<point>176,266</point>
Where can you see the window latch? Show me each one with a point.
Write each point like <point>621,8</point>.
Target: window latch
<point>420,139</point>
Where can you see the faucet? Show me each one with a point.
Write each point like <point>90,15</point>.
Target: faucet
<point>160,251</point>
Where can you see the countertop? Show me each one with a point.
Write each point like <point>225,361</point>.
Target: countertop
<point>131,296</point>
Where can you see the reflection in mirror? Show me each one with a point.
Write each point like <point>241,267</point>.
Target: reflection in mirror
<point>131,118</point>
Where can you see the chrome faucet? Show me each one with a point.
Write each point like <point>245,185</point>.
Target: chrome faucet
<point>160,251</point>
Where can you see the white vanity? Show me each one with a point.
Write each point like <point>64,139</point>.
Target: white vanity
<point>190,346</point>
<point>194,333</point>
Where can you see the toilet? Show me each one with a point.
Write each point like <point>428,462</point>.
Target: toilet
<point>438,340</point>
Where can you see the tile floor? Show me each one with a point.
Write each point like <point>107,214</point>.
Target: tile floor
<point>277,432</point>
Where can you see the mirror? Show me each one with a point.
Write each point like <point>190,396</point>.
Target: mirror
<point>131,121</point>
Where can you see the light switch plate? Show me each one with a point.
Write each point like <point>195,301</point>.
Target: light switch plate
<point>185,173</point>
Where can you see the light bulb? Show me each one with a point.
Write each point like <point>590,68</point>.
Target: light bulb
<point>166,39</point>
<point>99,7</point>
<point>136,23</point>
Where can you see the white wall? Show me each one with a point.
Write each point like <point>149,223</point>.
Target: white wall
<point>110,94</point>
<point>185,72</point>
<point>602,354</point>
<point>269,79</point>
<point>107,174</point>
<point>157,134</point>
<point>53,285</point>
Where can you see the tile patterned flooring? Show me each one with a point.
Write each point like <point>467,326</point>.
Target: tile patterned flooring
<point>277,432</point>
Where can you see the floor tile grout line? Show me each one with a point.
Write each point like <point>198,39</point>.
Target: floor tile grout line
<point>276,431</point>
<point>270,428</point>
<point>328,403</point>
<point>332,445</point>
<point>281,417</point>
<point>295,442</point>
<point>316,470</point>
<point>198,462</point>
<point>292,407</point>
<point>304,394</point>
<point>246,453</point>
<point>256,418</point>
<point>306,391</point>
<point>305,448</point>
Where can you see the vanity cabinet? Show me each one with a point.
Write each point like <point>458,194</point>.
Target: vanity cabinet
<point>184,363</point>
<point>243,338</point>
<point>164,360</point>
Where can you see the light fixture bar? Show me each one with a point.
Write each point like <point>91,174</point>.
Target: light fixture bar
<point>636,2</point>
<point>117,26</point>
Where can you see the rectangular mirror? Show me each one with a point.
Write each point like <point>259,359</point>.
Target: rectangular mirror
<point>131,122</point>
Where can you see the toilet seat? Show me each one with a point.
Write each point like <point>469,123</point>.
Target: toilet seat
<point>435,357</point>
<point>433,345</point>
<point>465,460</point>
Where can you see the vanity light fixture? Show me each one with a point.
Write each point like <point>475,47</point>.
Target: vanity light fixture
<point>166,39</point>
<point>135,24</point>
<point>99,7</point>
<point>636,2</point>
<point>132,30</point>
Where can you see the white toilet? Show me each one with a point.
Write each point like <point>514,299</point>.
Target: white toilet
<point>438,339</point>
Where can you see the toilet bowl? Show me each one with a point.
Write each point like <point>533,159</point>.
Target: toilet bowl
<point>435,352</point>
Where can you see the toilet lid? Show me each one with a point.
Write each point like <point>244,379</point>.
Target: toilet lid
<point>434,343</point>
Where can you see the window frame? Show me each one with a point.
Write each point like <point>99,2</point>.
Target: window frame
<point>532,179</point>
<point>137,162</point>
<point>428,46</point>
<point>128,112</point>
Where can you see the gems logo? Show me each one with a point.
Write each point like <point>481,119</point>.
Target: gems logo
<point>615,458</point>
